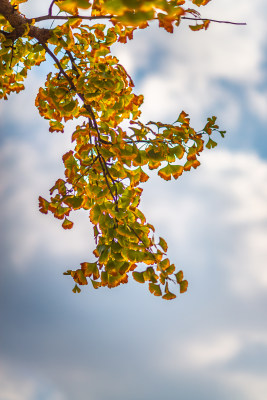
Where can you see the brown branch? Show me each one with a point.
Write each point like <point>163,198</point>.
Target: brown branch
<point>86,170</point>
<point>214,20</point>
<point>99,155</point>
<point>72,60</point>
<point>46,17</point>
<point>59,66</point>
<point>50,7</point>
<point>86,17</point>
<point>19,23</point>
<point>73,87</point>
<point>106,178</point>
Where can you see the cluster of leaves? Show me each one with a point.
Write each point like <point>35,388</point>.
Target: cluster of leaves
<point>105,171</point>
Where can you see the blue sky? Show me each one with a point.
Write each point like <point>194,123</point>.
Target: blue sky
<point>210,343</point>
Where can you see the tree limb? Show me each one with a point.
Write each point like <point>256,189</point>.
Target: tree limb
<point>96,17</point>
<point>19,23</point>
<point>214,20</point>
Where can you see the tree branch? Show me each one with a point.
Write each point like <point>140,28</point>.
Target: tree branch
<point>86,17</point>
<point>65,17</point>
<point>214,20</point>
<point>19,23</point>
<point>50,7</point>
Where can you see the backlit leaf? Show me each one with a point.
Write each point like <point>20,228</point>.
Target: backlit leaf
<point>67,224</point>
<point>211,144</point>
<point>179,276</point>
<point>43,205</point>
<point>138,276</point>
<point>165,172</point>
<point>155,289</point>
<point>200,2</point>
<point>76,289</point>
<point>169,296</point>
<point>183,286</point>
<point>163,244</point>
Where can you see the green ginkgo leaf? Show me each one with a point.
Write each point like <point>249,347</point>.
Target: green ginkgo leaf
<point>155,289</point>
<point>138,276</point>
<point>183,286</point>
<point>76,289</point>
<point>179,276</point>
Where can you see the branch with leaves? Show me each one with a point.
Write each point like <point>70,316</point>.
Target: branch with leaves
<point>105,171</point>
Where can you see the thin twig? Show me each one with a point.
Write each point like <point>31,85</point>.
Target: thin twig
<point>105,176</point>
<point>74,66</point>
<point>50,7</point>
<point>146,247</point>
<point>45,17</point>
<point>111,178</point>
<point>59,65</point>
<point>86,170</point>
<point>214,20</point>
<point>87,106</point>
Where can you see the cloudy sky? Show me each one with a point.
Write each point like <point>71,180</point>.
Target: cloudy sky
<point>124,344</point>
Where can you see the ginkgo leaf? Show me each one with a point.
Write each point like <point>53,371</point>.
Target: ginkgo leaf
<point>90,269</point>
<point>76,289</point>
<point>166,172</point>
<point>164,264</point>
<point>200,2</point>
<point>83,3</point>
<point>69,6</point>
<point>183,118</point>
<point>67,224</point>
<point>95,284</point>
<point>138,276</point>
<point>155,289</point>
<point>43,205</point>
<point>211,144</point>
<point>163,244</point>
<point>170,269</point>
<point>183,286</point>
<point>169,296</point>
<point>74,202</point>
<point>177,171</point>
<point>179,276</point>
<point>79,277</point>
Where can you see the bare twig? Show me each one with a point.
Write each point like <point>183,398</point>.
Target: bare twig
<point>59,66</point>
<point>105,176</point>
<point>50,7</point>
<point>214,20</point>
<point>73,87</point>
<point>46,17</point>
<point>86,170</point>
<point>86,17</point>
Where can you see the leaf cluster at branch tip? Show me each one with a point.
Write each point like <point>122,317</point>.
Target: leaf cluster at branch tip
<point>108,165</point>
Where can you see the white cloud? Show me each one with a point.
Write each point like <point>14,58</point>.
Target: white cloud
<point>253,386</point>
<point>220,212</point>
<point>195,71</point>
<point>211,354</point>
<point>207,352</point>
<point>258,102</point>
<point>27,174</point>
<point>17,385</point>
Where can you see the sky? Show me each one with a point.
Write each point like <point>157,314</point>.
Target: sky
<point>124,343</point>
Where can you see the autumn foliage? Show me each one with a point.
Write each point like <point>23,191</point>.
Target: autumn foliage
<point>108,164</point>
